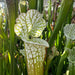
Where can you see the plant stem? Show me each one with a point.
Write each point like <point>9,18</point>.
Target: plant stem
<point>70,15</point>
<point>47,65</point>
<point>71,68</point>
<point>0,21</point>
<point>49,14</point>
<point>23,7</point>
<point>61,62</point>
<point>0,33</point>
<point>11,17</point>
<point>1,65</point>
<point>32,4</point>
<point>63,57</point>
<point>16,8</point>
<point>40,5</point>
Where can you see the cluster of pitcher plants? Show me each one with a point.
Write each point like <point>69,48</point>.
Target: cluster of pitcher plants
<point>37,40</point>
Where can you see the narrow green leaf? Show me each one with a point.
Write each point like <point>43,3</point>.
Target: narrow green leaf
<point>11,17</point>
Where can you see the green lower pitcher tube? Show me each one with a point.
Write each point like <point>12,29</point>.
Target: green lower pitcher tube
<point>71,59</point>
<point>71,68</point>
<point>35,55</point>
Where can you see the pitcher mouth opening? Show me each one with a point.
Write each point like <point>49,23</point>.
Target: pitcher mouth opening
<point>37,41</point>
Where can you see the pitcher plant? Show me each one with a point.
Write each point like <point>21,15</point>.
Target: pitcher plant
<point>28,27</point>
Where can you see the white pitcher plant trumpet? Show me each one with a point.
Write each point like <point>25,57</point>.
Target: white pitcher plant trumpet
<point>29,26</point>
<point>69,31</point>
